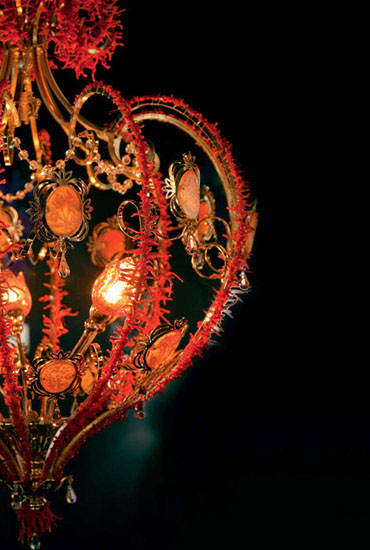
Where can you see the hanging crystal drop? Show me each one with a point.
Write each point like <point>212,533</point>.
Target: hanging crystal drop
<point>35,543</point>
<point>71,496</point>
<point>63,270</point>
<point>198,259</point>
<point>17,500</point>
<point>243,281</point>
<point>191,245</point>
<point>139,410</point>
<point>57,414</point>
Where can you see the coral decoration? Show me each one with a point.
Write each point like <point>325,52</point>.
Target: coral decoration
<point>84,32</point>
<point>88,32</point>
<point>54,325</point>
<point>11,387</point>
<point>221,149</point>
<point>10,373</point>
<point>35,521</point>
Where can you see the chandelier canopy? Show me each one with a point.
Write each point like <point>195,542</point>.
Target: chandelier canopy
<point>151,227</point>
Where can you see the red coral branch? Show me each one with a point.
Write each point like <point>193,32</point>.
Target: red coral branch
<point>11,387</point>
<point>35,521</point>
<point>45,145</point>
<point>54,326</point>
<point>85,32</point>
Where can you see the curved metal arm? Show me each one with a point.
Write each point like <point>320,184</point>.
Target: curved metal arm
<point>169,118</point>
<point>51,93</point>
<point>10,456</point>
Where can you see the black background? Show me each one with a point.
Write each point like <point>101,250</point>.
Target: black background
<point>265,440</point>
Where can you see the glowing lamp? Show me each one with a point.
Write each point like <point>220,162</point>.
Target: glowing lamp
<point>114,291</point>
<point>15,292</point>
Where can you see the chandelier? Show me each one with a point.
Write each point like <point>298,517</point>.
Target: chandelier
<point>104,193</point>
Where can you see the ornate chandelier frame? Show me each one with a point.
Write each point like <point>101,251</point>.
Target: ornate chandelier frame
<point>135,287</point>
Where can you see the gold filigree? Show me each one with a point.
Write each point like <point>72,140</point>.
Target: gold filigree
<point>41,210</point>
<point>169,187</point>
<point>28,106</point>
<point>189,161</point>
<point>9,216</point>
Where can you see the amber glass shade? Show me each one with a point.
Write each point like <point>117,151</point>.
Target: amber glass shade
<point>15,292</point>
<point>114,291</point>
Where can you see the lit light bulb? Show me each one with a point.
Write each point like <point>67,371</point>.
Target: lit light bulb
<point>114,291</point>
<point>14,292</point>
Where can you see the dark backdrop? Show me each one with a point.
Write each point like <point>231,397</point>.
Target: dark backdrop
<point>265,440</point>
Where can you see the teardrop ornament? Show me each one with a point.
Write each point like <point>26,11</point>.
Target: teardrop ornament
<point>71,496</point>
<point>17,500</point>
<point>139,410</point>
<point>243,281</point>
<point>191,245</point>
<point>64,270</point>
<point>35,543</point>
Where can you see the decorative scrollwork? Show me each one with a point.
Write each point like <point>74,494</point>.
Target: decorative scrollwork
<point>126,165</point>
<point>11,228</point>
<point>60,209</point>
<point>60,212</point>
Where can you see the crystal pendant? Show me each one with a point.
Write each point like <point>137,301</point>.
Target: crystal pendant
<point>35,543</point>
<point>71,496</point>
<point>198,259</point>
<point>16,501</point>
<point>191,245</point>
<point>243,281</point>
<point>57,414</point>
<point>63,270</point>
<point>139,410</point>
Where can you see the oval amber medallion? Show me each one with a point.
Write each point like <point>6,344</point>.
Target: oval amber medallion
<point>112,243</point>
<point>188,195</point>
<point>64,211</point>
<point>162,349</point>
<point>57,375</point>
<point>205,228</point>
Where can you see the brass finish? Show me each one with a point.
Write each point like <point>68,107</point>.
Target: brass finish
<point>95,324</point>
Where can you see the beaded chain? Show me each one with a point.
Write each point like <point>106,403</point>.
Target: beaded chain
<point>100,168</point>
